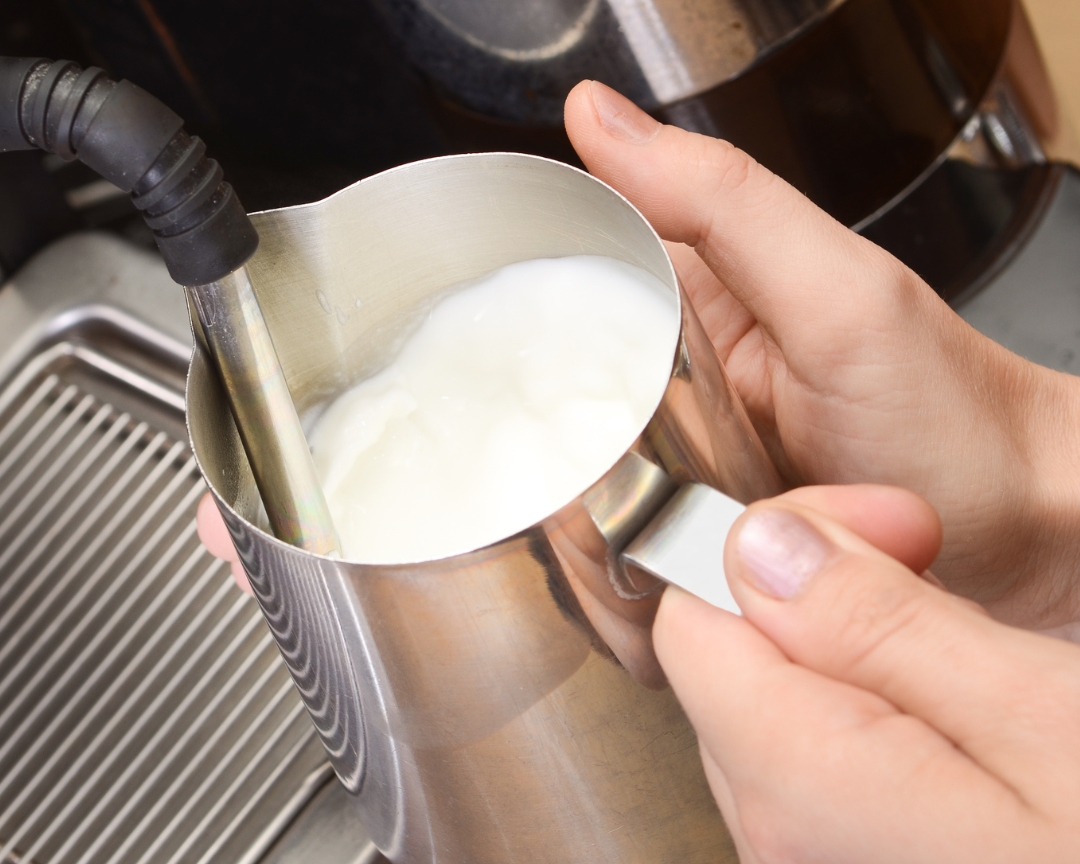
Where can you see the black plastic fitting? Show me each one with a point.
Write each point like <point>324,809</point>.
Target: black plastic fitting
<point>136,142</point>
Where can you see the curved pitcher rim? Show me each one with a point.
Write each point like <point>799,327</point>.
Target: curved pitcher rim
<point>675,285</point>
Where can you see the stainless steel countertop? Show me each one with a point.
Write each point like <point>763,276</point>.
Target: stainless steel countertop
<point>1033,307</point>
<point>326,832</point>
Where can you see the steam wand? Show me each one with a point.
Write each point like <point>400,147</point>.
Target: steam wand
<point>133,140</point>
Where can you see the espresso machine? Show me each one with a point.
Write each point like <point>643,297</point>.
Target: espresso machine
<point>926,125</point>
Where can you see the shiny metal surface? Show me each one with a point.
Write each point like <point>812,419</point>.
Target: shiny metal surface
<point>488,707</point>
<point>960,224</point>
<point>232,327</point>
<point>144,711</point>
<point>684,544</point>
<point>517,61</point>
<point>860,106</point>
<point>853,107</point>
<point>325,832</point>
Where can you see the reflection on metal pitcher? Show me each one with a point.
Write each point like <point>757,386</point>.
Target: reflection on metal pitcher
<point>503,714</point>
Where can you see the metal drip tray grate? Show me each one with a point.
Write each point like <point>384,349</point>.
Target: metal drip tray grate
<point>145,715</point>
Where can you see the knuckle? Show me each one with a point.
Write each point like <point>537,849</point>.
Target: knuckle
<point>730,167</point>
<point>902,294</point>
<point>878,614</point>
<point>724,170</point>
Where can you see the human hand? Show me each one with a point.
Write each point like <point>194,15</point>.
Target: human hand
<point>851,368</point>
<point>215,537</point>
<point>871,716</point>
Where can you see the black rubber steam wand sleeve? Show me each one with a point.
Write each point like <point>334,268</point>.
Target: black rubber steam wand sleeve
<point>136,142</point>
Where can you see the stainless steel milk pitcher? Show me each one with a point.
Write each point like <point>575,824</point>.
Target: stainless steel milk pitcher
<point>503,706</point>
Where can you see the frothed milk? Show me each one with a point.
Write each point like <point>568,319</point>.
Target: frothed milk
<point>516,393</point>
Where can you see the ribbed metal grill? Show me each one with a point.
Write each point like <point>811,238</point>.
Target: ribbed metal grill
<point>145,714</point>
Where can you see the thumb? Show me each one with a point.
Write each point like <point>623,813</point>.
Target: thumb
<point>755,232</point>
<point>835,604</point>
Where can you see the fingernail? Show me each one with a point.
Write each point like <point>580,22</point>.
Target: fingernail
<point>781,552</point>
<point>620,117</point>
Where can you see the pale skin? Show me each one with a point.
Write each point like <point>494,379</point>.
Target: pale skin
<point>858,712</point>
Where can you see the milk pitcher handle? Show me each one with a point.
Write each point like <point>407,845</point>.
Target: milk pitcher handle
<point>684,543</point>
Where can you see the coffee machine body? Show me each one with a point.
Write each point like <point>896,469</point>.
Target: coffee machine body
<point>925,124</point>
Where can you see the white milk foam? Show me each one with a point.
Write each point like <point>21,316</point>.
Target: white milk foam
<point>515,395</point>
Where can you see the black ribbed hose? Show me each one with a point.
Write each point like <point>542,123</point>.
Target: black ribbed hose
<point>134,141</point>
<point>137,143</point>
